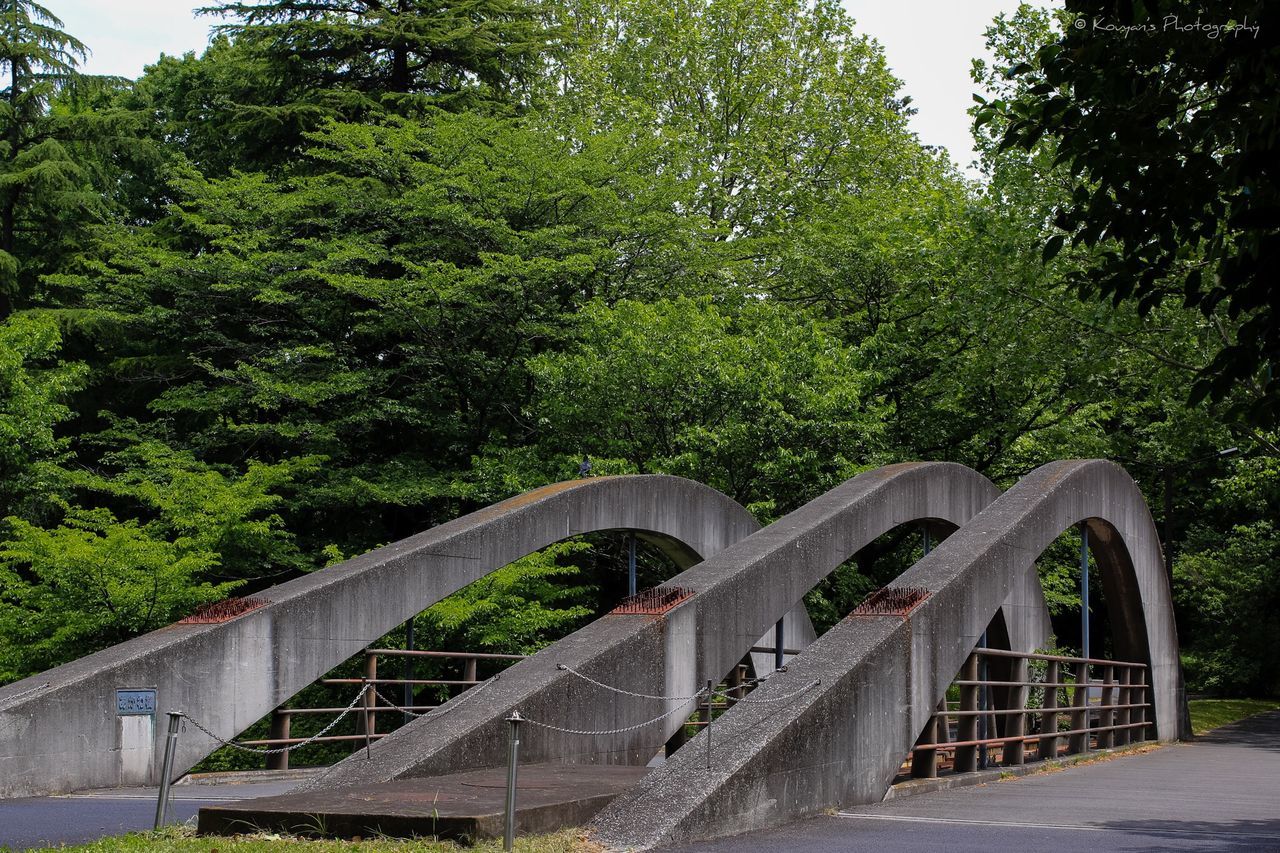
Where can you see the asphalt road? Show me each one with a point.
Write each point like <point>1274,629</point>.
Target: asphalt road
<point>1219,794</point>
<point>88,816</point>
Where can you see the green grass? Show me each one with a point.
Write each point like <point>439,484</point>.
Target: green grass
<point>1208,714</point>
<point>184,840</point>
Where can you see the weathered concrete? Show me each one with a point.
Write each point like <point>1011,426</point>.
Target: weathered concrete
<point>880,677</point>
<point>67,736</point>
<point>739,594</point>
<point>460,806</point>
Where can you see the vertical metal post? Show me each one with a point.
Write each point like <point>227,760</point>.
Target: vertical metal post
<point>779,648</point>
<point>1168,525</point>
<point>927,543</point>
<point>1084,611</point>
<point>410,646</point>
<point>631,565</point>
<point>983,703</point>
<point>166,769</point>
<point>513,761</point>
<point>710,695</point>
<point>1084,592</point>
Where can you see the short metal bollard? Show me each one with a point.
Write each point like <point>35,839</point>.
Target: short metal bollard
<point>166,769</point>
<point>513,761</point>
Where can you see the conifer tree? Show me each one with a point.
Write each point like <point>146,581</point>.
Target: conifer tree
<point>36,59</point>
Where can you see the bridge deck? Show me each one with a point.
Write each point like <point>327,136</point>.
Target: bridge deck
<point>1218,793</point>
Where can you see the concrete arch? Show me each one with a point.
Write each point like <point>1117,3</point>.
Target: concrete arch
<point>738,595</point>
<point>67,736</point>
<point>880,676</point>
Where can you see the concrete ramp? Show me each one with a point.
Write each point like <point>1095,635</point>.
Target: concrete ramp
<point>833,729</point>
<point>92,723</point>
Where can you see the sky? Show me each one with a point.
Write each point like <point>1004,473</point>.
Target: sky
<point>929,45</point>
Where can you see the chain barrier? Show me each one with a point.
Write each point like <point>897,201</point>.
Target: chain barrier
<point>15,697</point>
<point>440,711</point>
<point>771,699</point>
<point>624,692</point>
<point>278,750</point>
<point>623,730</point>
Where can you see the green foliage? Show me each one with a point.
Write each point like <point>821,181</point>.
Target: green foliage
<point>516,610</point>
<point>33,391</point>
<point>91,582</point>
<point>755,401</point>
<point>1227,586</point>
<point>1167,139</point>
<point>405,47</point>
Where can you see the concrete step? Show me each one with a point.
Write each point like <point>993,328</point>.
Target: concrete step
<point>459,806</point>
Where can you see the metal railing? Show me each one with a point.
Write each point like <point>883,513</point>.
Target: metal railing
<point>1073,713</point>
<point>367,717</point>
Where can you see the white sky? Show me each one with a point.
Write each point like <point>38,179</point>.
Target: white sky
<point>929,44</point>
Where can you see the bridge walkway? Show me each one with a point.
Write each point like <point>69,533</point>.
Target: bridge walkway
<point>1219,793</point>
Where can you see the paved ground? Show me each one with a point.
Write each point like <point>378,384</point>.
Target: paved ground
<point>1220,794</point>
<point>88,816</point>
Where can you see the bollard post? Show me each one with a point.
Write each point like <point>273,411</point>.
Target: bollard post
<point>166,768</point>
<point>513,760</point>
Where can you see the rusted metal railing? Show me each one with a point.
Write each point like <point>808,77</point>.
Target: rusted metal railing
<point>1076,713</point>
<point>367,716</point>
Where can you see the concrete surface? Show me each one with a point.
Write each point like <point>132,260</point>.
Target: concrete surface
<point>1220,794</point>
<point>878,678</point>
<point>460,806</point>
<point>740,593</point>
<point>67,736</point>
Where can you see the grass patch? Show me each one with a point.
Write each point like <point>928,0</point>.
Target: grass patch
<point>1208,714</point>
<point>183,839</point>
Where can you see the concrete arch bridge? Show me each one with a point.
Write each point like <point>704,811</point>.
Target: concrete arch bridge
<point>831,728</point>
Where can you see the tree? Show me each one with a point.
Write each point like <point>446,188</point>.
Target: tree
<point>1168,130</point>
<point>396,47</point>
<point>36,172</point>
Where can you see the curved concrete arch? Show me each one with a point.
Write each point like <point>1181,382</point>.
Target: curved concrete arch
<point>229,675</point>
<point>738,595</point>
<point>841,742</point>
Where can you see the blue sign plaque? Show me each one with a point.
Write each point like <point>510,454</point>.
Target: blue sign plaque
<point>133,702</point>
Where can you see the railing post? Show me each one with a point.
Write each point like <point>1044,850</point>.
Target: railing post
<point>368,718</point>
<point>1015,725</point>
<point>469,670</point>
<point>1079,742</point>
<point>280,725</point>
<point>967,756</point>
<point>984,705</point>
<point>779,647</point>
<point>407,668</point>
<point>1048,746</point>
<point>1107,713</point>
<point>1123,717</point>
<point>924,762</point>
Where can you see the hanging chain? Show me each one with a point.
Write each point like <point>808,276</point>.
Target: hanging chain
<point>277,751</point>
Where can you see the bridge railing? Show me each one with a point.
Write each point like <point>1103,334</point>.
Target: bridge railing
<point>280,734</point>
<point>1040,706</point>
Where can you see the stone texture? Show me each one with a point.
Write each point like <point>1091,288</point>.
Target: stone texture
<point>879,677</point>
